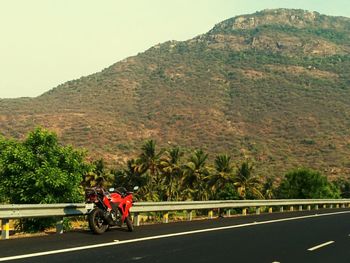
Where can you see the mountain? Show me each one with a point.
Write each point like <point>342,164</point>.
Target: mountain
<point>273,86</point>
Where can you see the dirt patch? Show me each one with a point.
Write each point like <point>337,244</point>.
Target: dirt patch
<point>252,74</point>
<point>309,71</point>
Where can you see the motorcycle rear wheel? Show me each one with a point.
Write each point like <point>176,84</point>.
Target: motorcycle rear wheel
<point>97,222</point>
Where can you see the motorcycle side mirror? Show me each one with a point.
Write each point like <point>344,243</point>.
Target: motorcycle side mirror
<point>111,189</point>
<point>136,188</point>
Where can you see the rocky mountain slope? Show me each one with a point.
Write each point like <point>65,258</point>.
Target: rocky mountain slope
<point>273,86</point>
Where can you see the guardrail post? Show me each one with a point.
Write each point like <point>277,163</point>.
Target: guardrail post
<point>300,208</point>
<point>190,215</point>
<point>324,206</point>
<point>316,207</point>
<point>349,205</point>
<point>228,212</point>
<point>244,211</point>
<point>5,231</point>
<point>309,207</point>
<point>166,217</point>
<point>281,209</point>
<point>331,206</point>
<point>59,226</point>
<point>343,206</point>
<point>257,210</point>
<point>270,209</point>
<point>210,214</point>
<point>291,208</point>
<point>337,206</point>
<point>136,219</point>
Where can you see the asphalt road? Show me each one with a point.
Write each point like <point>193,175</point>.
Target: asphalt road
<point>281,237</point>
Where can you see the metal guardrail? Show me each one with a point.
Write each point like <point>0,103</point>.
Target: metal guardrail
<point>197,205</point>
<point>42,210</point>
<point>17,211</point>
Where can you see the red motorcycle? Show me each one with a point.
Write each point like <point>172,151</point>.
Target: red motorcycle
<point>111,208</point>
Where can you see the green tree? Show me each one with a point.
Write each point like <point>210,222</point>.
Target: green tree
<point>130,176</point>
<point>149,158</point>
<point>343,184</point>
<point>223,174</point>
<point>268,189</point>
<point>228,192</point>
<point>306,183</point>
<point>196,175</point>
<point>172,173</point>
<point>99,175</point>
<point>148,165</point>
<point>39,170</point>
<point>4,145</point>
<point>247,184</point>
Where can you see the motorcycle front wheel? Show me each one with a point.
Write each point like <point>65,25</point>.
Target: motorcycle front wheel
<point>97,222</point>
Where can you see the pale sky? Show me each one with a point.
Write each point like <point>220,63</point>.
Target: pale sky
<point>44,43</point>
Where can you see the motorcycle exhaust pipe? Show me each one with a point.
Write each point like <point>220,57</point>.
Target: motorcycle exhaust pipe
<point>108,218</point>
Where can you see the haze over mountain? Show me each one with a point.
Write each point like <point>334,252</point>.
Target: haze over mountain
<point>273,86</point>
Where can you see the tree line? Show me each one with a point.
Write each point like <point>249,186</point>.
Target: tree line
<point>169,175</point>
<point>41,170</point>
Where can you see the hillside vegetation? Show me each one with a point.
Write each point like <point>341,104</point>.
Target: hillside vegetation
<point>273,86</point>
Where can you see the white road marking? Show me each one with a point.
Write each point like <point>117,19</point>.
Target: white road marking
<point>58,251</point>
<point>321,245</point>
<point>137,258</point>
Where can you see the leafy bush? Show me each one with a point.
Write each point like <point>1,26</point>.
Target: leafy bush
<point>39,170</point>
<point>305,183</point>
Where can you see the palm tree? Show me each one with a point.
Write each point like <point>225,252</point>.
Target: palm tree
<point>149,158</point>
<point>130,176</point>
<point>224,173</point>
<point>99,176</point>
<point>148,166</point>
<point>268,189</point>
<point>246,183</point>
<point>171,170</point>
<point>196,175</point>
